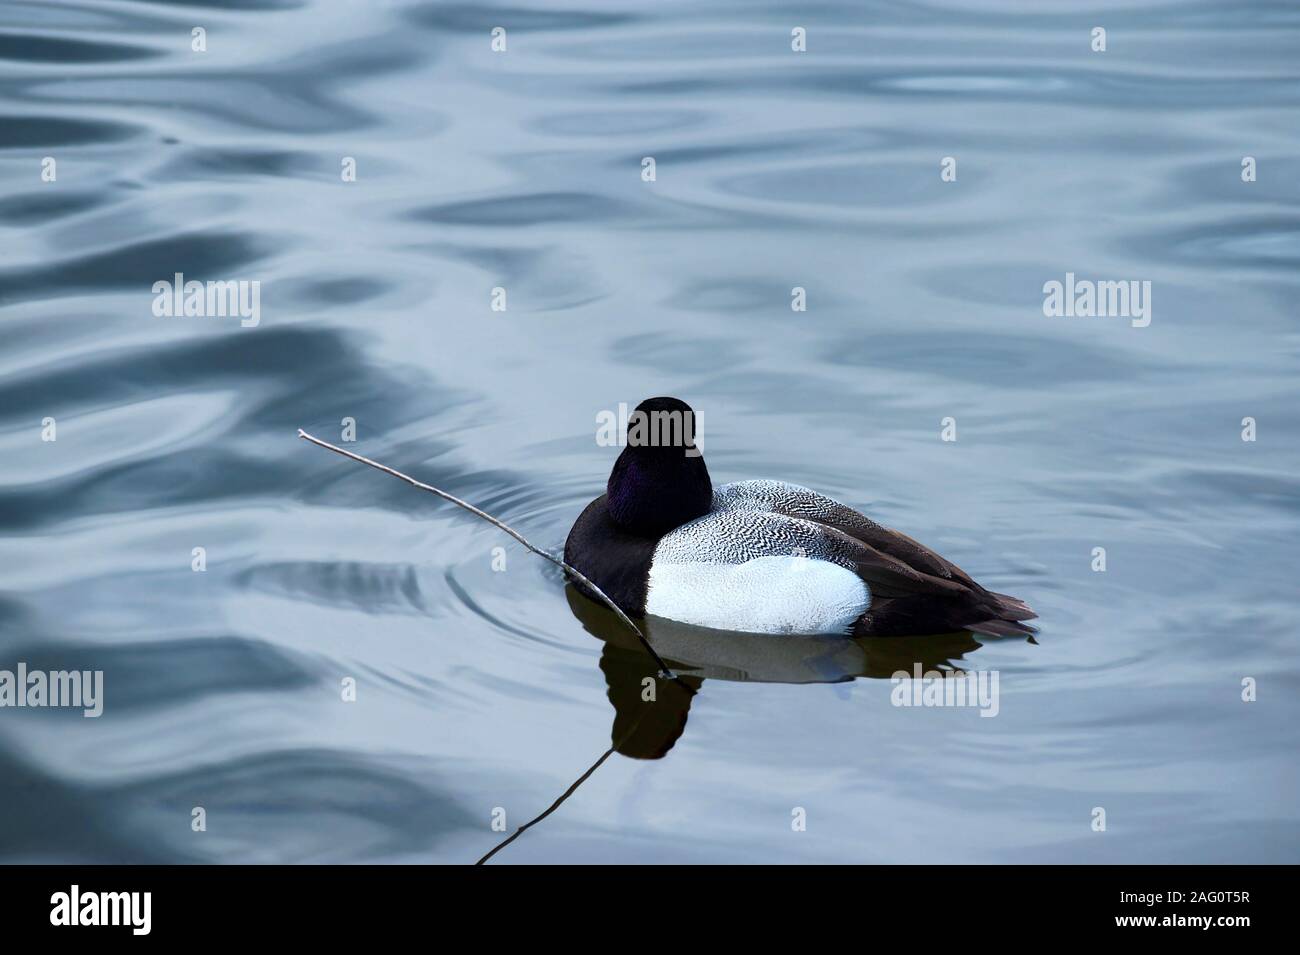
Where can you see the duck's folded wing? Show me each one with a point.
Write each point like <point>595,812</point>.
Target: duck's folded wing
<point>793,500</point>
<point>926,562</point>
<point>742,534</point>
<point>895,560</point>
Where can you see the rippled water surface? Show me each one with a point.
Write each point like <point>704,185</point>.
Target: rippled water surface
<point>480,689</point>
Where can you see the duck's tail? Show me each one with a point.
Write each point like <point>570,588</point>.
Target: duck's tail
<point>1005,617</point>
<point>1001,628</point>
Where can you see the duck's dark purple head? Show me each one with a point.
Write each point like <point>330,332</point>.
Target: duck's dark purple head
<point>659,481</point>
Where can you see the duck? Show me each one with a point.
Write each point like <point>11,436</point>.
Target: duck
<point>762,556</point>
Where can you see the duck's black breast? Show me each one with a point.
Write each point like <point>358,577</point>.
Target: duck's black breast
<point>614,560</point>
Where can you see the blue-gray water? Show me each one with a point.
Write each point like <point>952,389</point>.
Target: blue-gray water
<point>480,689</point>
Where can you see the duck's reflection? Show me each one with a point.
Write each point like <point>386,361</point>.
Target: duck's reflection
<point>650,712</point>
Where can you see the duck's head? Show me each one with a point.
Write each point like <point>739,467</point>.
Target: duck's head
<point>659,481</point>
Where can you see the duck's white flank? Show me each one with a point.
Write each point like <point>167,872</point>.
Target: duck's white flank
<point>773,594</point>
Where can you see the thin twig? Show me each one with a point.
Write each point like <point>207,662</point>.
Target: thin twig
<point>618,744</point>
<point>663,667</point>
<point>554,806</point>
